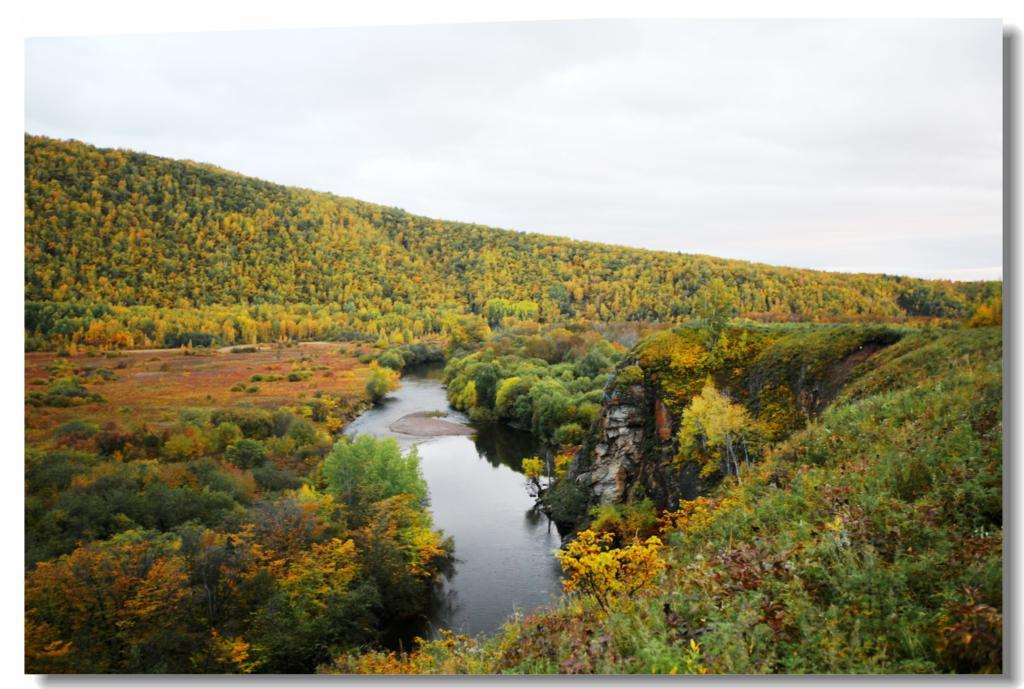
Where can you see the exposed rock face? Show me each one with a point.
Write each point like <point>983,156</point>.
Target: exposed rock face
<point>628,454</point>
<point>617,451</point>
<point>662,421</point>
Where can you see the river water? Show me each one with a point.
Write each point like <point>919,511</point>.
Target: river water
<point>504,550</point>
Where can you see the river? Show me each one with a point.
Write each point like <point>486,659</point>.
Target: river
<point>503,549</point>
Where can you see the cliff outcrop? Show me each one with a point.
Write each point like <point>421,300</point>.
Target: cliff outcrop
<point>784,376</point>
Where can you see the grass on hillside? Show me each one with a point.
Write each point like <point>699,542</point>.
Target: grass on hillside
<point>868,542</point>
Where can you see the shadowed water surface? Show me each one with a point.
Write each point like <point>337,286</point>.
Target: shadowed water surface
<point>478,495</point>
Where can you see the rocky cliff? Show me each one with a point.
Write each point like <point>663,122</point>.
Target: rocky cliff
<point>783,376</point>
<point>628,454</point>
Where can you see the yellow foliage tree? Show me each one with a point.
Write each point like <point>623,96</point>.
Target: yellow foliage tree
<point>989,313</point>
<point>717,433</point>
<point>533,469</point>
<point>609,574</point>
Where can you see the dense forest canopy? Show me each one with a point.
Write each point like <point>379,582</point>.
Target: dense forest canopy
<point>112,236</point>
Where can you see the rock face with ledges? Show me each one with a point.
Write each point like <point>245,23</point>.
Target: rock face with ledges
<point>617,450</point>
<point>785,378</point>
<point>628,453</point>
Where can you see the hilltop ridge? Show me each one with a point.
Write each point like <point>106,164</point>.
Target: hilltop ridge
<point>110,230</point>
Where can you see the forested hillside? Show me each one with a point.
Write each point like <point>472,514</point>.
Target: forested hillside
<point>124,249</point>
<point>755,469</point>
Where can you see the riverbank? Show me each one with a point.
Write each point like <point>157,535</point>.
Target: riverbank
<point>503,548</point>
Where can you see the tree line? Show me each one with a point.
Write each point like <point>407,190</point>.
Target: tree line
<point>124,249</point>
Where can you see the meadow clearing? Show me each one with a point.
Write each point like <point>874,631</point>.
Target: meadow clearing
<point>151,387</point>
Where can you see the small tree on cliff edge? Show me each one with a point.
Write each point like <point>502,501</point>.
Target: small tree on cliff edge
<point>716,305</point>
<point>718,434</point>
<point>533,469</point>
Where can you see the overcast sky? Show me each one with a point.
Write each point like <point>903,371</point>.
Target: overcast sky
<point>853,145</point>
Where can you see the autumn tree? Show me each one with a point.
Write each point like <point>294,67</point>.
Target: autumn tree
<point>987,314</point>
<point>272,263</point>
<point>382,380</point>
<point>718,434</point>
<point>117,606</point>
<point>610,575</point>
<point>366,470</point>
<point>533,470</point>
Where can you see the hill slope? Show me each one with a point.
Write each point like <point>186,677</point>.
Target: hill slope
<point>867,538</point>
<point>116,229</point>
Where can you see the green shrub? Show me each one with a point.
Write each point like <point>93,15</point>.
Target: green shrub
<point>380,383</point>
<point>568,434</point>
<point>392,359</point>
<point>63,392</point>
<point>566,503</point>
<point>270,477</point>
<point>246,453</point>
<point>75,430</point>
<point>630,375</point>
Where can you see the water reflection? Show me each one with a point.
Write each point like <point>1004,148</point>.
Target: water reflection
<point>500,444</point>
<point>503,547</point>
